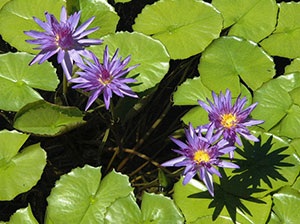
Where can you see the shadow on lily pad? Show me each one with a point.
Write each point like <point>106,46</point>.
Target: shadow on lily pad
<point>260,162</point>
<point>241,190</point>
<point>231,194</point>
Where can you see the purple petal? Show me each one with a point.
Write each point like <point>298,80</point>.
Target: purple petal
<point>226,164</point>
<point>249,136</point>
<point>60,56</point>
<point>238,140</point>
<point>87,32</point>
<point>231,155</point>
<point>90,41</point>
<point>227,149</point>
<point>67,66</point>
<point>36,34</point>
<point>48,55</point>
<point>213,170</point>
<point>63,15</point>
<point>179,143</point>
<point>205,106</point>
<point>38,57</point>
<point>74,19</point>
<point>92,98</point>
<point>42,24</point>
<point>107,95</point>
<point>81,28</point>
<point>251,122</point>
<point>189,176</point>
<point>172,162</point>
<point>210,132</point>
<point>208,180</point>
<point>128,92</point>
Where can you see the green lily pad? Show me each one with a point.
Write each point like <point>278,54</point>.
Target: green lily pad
<point>17,80</point>
<point>295,144</point>
<point>295,95</point>
<point>154,209</point>
<point>278,105</point>
<point>24,216</point>
<point>229,59</point>
<point>284,40</point>
<point>105,16</point>
<point>149,53</point>
<point>296,185</point>
<point>293,67</point>
<point>209,219</point>
<point>285,203</point>
<point>154,204</point>
<point>274,219</point>
<point>196,116</point>
<point>198,206</point>
<point>3,2</point>
<point>124,210</point>
<point>190,91</point>
<point>81,197</point>
<point>43,118</point>
<point>19,172</point>
<point>185,27</point>
<point>265,166</point>
<point>289,126</point>
<point>273,104</point>
<point>16,17</point>
<point>252,20</point>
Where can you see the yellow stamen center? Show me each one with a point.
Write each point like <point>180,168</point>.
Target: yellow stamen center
<point>200,156</point>
<point>57,39</point>
<point>104,82</point>
<point>228,120</point>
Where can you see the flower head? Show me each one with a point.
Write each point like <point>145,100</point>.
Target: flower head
<point>200,153</point>
<point>62,38</point>
<point>230,119</point>
<point>106,78</point>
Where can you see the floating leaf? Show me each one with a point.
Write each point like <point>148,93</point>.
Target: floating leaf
<point>16,17</point>
<point>277,105</point>
<point>43,118</point>
<point>284,41</point>
<point>274,219</point>
<point>196,204</point>
<point>252,20</point>
<point>185,27</point>
<point>149,53</point>
<point>285,203</point>
<point>229,59</point>
<point>19,172</point>
<point>265,166</point>
<point>2,3</point>
<point>124,210</point>
<point>17,80</point>
<point>80,197</point>
<point>290,124</point>
<point>293,67</point>
<point>24,216</point>
<point>154,204</point>
<point>154,209</point>
<point>105,16</point>
<point>190,91</point>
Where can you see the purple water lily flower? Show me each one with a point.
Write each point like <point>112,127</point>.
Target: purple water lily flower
<point>200,154</point>
<point>105,77</point>
<point>62,38</point>
<point>231,120</point>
